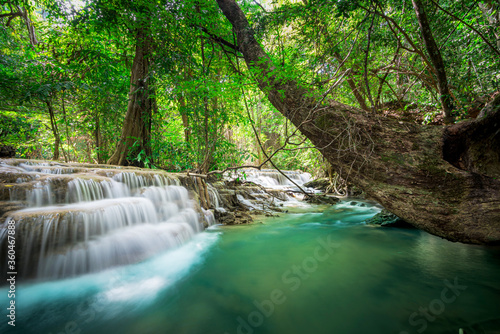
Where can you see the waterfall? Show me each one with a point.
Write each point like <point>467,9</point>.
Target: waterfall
<point>209,216</point>
<point>136,181</point>
<point>46,168</point>
<point>271,178</point>
<point>117,248</point>
<point>81,220</point>
<point>214,196</point>
<point>248,204</point>
<point>83,190</point>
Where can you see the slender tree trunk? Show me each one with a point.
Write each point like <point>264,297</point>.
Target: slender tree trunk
<point>257,133</point>
<point>55,131</point>
<point>353,86</point>
<point>365,72</point>
<point>66,126</point>
<point>214,131</point>
<point>205,165</point>
<point>188,75</point>
<point>350,78</point>
<point>436,59</point>
<point>185,120</point>
<point>98,140</point>
<point>29,25</point>
<point>398,164</point>
<point>136,132</point>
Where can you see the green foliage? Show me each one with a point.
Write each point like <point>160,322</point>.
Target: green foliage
<point>207,104</point>
<point>21,132</point>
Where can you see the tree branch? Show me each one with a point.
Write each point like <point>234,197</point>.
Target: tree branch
<point>468,25</point>
<point>220,40</point>
<point>16,14</point>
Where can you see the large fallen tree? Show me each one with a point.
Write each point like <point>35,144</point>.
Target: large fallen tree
<point>443,180</point>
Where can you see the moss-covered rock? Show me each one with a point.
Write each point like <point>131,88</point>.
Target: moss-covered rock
<point>387,219</point>
<point>318,184</point>
<point>321,199</point>
<point>232,218</point>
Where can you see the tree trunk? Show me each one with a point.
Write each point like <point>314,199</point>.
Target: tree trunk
<point>55,131</point>
<point>436,59</point>
<point>353,86</point>
<point>257,124</point>
<point>185,120</point>
<point>204,167</point>
<point>68,155</point>
<point>98,139</point>
<point>136,132</point>
<point>29,25</point>
<point>398,164</point>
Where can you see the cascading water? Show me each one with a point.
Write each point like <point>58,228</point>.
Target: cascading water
<point>134,181</point>
<point>83,190</point>
<point>319,270</point>
<point>45,168</point>
<point>280,187</point>
<point>271,178</point>
<point>214,196</point>
<point>82,220</point>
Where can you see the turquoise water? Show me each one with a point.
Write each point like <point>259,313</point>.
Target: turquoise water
<point>319,270</point>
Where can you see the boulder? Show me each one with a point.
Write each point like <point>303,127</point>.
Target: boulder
<point>225,217</point>
<point>318,184</point>
<point>321,199</point>
<point>387,219</point>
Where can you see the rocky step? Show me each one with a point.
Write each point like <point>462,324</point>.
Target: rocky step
<point>124,246</point>
<point>78,222</point>
<point>58,189</point>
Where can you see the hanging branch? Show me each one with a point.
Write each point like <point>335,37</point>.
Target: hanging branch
<point>221,41</point>
<point>264,151</point>
<point>419,75</point>
<point>262,7</point>
<point>469,26</point>
<point>395,28</point>
<point>268,158</point>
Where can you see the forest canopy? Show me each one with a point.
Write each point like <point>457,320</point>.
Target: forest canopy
<point>163,84</point>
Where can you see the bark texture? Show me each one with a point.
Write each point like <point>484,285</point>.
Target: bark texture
<point>136,130</point>
<point>399,164</point>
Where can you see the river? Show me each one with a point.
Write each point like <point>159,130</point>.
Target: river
<point>316,270</point>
